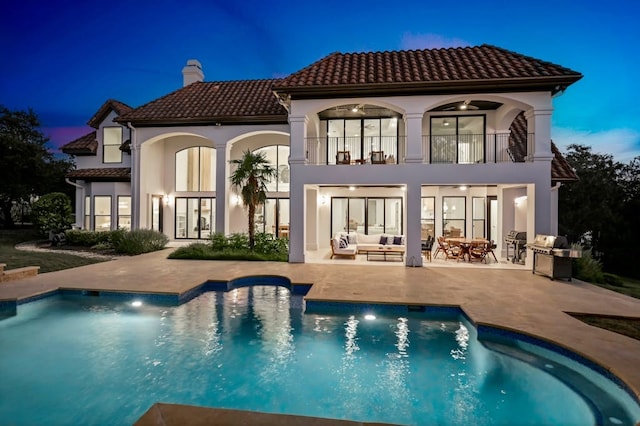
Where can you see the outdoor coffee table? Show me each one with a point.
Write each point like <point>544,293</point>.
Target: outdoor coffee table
<point>385,251</point>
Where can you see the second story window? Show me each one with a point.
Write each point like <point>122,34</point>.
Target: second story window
<point>196,169</point>
<point>111,141</point>
<point>366,140</point>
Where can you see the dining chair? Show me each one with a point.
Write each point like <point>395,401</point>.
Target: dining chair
<point>478,250</point>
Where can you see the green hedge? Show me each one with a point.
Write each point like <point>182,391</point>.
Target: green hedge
<point>236,247</point>
<point>122,241</point>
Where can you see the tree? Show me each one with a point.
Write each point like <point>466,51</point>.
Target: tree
<point>253,172</point>
<point>27,167</point>
<point>52,213</point>
<point>600,210</point>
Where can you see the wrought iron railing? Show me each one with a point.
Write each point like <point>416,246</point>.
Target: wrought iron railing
<point>436,149</point>
<point>353,150</point>
<point>477,148</point>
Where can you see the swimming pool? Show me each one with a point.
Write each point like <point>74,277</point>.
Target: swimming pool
<point>72,359</point>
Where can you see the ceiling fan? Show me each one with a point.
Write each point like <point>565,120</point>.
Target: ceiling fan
<point>464,106</point>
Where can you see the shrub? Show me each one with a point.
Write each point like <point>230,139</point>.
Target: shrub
<point>79,237</point>
<point>52,213</point>
<point>138,241</point>
<point>218,241</point>
<point>268,244</point>
<point>238,241</point>
<point>586,268</point>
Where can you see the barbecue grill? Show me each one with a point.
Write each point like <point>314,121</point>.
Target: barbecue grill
<point>552,256</point>
<point>517,240</point>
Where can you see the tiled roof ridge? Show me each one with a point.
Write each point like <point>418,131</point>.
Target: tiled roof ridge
<point>110,104</point>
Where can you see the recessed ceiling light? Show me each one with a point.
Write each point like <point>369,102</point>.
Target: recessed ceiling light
<point>352,188</point>
<point>463,188</point>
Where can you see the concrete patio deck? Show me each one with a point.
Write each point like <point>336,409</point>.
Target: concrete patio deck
<point>509,298</point>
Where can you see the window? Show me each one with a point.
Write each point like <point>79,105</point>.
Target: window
<point>362,137</point>
<point>278,156</point>
<point>87,212</point>
<point>111,141</point>
<point>366,215</point>
<point>196,169</point>
<point>428,218</point>
<point>457,139</point>
<point>124,212</point>
<point>478,217</point>
<point>273,217</point>
<point>195,217</point>
<point>454,213</point>
<point>102,215</point>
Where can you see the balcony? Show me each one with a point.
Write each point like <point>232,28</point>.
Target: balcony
<point>436,149</point>
<point>477,148</point>
<point>353,150</point>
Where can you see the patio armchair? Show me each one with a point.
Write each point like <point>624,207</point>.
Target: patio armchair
<point>377,157</point>
<point>343,157</point>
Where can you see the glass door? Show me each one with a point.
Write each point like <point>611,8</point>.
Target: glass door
<point>156,213</point>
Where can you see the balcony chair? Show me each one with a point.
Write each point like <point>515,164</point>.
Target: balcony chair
<point>377,157</point>
<point>343,157</point>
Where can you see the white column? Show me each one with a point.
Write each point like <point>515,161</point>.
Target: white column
<point>136,149</point>
<point>412,232</point>
<point>311,215</point>
<point>222,183</point>
<point>413,122</point>
<point>297,145</point>
<point>297,209</point>
<point>540,210</point>
<point>539,122</point>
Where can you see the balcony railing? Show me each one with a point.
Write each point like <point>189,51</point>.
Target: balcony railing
<point>436,149</point>
<point>477,148</point>
<point>353,150</point>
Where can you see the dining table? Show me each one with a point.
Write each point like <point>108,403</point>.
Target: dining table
<point>465,245</point>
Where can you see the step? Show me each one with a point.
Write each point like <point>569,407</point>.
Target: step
<point>18,273</point>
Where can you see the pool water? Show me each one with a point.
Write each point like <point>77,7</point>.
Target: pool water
<point>89,360</point>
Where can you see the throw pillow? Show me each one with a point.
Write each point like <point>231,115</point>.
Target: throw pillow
<point>383,240</point>
<point>352,238</point>
<point>343,243</point>
<point>390,239</point>
<point>397,241</point>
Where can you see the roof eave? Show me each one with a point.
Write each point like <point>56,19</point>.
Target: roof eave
<point>222,120</point>
<point>553,84</point>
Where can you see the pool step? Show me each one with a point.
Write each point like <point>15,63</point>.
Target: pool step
<point>18,273</point>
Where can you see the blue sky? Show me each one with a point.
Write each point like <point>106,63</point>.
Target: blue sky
<point>65,58</point>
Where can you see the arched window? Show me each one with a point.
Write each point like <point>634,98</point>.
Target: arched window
<point>278,156</point>
<point>196,169</point>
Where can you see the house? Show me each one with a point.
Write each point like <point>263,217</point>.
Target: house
<point>424,142</point>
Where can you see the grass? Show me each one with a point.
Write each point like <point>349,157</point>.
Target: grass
<point>48,262</point>
<point>626,326</point>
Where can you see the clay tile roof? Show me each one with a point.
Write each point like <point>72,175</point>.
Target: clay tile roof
<point>105,109</point>
<point>244,101</point>
<point>111,174</point>
<point>561,170</point>
<point>441,69</point>
<point>84,145</point>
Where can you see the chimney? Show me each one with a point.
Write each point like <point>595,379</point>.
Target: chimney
<point>192,72</point>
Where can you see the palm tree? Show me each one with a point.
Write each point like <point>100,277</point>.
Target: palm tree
<point>253,172</point>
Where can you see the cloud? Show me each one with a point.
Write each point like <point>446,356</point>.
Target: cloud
<point>412,41</point>
<point>623,144</point>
